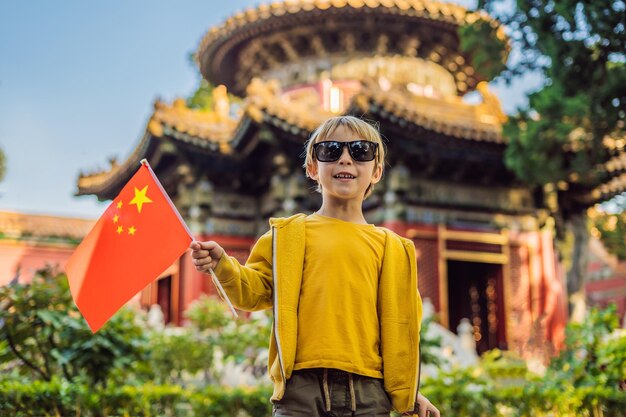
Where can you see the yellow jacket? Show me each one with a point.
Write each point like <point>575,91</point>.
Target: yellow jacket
<point>272,277</point>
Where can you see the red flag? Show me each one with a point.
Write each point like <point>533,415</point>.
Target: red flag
<point>137,238</point>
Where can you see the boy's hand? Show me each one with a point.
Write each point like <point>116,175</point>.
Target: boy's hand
<point>206,255</point>
<point>426,408</point>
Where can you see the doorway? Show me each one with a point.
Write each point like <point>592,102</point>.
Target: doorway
<point>475,292</point>
<point>164,296</point>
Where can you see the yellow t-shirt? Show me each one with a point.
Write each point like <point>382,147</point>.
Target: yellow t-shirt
<point>337,315</point>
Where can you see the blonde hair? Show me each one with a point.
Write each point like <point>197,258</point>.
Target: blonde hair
<point>359,127</point>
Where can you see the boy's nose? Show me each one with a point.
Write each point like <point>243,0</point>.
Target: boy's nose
<point>345,156</point>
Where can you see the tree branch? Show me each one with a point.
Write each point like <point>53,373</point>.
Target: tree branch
<point>23,359</point>
<point>44,356</point>
<point>63,365</point>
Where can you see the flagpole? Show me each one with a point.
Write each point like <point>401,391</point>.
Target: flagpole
<point>216,281</point>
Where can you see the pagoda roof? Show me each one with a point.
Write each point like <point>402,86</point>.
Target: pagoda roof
<point>21,226</point>
<point>225,137</point>
<point>259,39</point>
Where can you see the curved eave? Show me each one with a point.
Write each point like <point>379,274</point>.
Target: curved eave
<point>107,184</point>
<point>296,120</point>
<point>290,125</point>
<point>401,111</point>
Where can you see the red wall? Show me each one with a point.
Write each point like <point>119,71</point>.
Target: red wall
<point>29,258</point>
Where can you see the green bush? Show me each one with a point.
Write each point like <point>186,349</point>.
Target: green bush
<point>240,339</point>
<point>215,401</point>
<point>173,356</point>
<point>588,375</point>
<point>463,392</point>
<point>61,398</point>
<point>473,393</point>
<point>586,379</point>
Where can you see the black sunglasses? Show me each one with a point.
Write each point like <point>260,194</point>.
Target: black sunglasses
<point>331,150</point>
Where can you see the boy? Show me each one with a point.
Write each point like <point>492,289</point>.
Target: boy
<point>345,339</point>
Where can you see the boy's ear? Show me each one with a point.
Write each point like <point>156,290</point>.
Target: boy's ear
<point>311,171</point>
<point>377,174</point>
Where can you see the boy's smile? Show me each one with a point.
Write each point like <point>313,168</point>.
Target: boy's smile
<point>344,176</point>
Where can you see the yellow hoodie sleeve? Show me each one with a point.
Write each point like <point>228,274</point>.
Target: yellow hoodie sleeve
<point>249,286</point>
<point>400,312</point>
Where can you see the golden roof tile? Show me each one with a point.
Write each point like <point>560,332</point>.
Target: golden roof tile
<point>208,125</point>
<point>15,225</point>
<point>264,98</point>
<point>450,116</point>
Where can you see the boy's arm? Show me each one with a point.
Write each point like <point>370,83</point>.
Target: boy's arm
<point>249,286</point>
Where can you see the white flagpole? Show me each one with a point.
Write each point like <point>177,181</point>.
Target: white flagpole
<point>223,293</point>
<point>220,289</point>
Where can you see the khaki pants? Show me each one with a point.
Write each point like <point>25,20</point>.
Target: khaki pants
<point>332,393</point>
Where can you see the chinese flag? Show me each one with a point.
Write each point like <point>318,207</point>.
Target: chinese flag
<point>137,238</point>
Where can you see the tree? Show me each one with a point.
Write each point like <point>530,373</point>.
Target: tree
<point>574,125</point>
<point>204,97</point>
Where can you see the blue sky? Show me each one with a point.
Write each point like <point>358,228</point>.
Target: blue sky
<point>77,84</point>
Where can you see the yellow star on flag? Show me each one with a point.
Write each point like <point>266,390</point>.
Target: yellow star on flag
<point>140,198</point>
<point>116,218</point>
<point>131,230</point>
<point>119,204</point>
<point>120,229</point>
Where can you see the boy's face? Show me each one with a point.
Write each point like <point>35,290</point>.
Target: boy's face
<point>345,179</point>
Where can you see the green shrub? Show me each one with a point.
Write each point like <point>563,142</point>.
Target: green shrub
<point>585,379</point>
<point>588,375</point>
<point>60,398</point>
<point>175,355</point>
<point>462,392</point>
<point>215,401</point>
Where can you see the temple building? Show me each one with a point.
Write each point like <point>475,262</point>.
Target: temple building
<point>484,240</point>
<point>31,242</point>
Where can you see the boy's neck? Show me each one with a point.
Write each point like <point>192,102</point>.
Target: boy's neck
<point>346,212</point>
